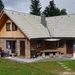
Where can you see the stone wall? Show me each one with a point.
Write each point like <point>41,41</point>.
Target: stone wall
<point>3,44</point>
<point>27,46</point>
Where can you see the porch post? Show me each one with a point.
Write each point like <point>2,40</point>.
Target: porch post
<point>27,48</point>
<point>18,47</point>
<point>73,54</point>
<point>74,50</point>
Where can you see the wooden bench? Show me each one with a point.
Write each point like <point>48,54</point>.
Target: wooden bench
<point>13,54</point>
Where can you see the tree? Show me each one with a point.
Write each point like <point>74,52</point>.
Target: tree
<point>63,12</point>
<point>52,10</point>
<point>1,5</point>
<point>35,7</point>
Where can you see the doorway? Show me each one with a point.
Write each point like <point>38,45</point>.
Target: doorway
<point>12,45</point>
<point>22,48</point>
<point>69,46</point>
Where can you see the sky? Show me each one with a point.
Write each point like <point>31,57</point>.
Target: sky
<point>24,5</point>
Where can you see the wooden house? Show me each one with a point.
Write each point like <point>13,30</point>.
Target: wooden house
<point>25,33</point>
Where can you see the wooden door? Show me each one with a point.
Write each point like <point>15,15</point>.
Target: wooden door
<point>22,48</point>
<point>69,47</point>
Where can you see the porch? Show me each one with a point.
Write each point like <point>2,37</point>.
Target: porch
<point>53,47</point>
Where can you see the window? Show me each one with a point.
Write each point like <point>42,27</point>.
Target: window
<point>8,43</point>
<point>14,27</point>
<point>8,26</point>
<point>60,43</point>
<point>39,43</point>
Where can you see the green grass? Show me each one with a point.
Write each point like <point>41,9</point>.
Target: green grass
<point>51,66</point>
<point>8,67</point>
<point>70,64</point>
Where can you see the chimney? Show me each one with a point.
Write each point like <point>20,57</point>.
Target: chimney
<point>43,20</point>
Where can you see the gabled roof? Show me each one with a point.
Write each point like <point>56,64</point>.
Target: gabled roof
<point>62,26</point>
<point>30,25</point>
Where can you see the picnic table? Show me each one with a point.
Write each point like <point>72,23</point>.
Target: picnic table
<point>51,52</point>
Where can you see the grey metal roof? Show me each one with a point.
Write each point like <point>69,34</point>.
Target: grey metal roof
<point>29,24</point>
<point>62,26</point>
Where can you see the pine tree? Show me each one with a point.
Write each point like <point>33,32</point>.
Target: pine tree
<point>35,7</point>
<point>52,10</point>
<point>63,12</point>
<point>1,5</point>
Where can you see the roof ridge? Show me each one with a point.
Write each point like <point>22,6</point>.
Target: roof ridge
<point>20,12</point>
<point>68,15</point>
<point>15,11</point>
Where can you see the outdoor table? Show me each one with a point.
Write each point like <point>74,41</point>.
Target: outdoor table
<point>49,51</point>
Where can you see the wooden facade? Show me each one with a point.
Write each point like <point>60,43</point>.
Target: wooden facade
<point>45,45</point>
<point>65,48</point>
<point>18,41</point>
<point>9,34</point>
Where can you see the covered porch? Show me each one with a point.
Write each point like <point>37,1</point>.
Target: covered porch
<point>53,47</point>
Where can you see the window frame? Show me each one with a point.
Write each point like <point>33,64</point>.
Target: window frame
<point>8,42</point>
<point>8,27</point>
<point>60,44</point>
<point>14,27</point>
<point>39,43</point>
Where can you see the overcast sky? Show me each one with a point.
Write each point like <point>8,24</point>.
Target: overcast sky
<point>24,5</point>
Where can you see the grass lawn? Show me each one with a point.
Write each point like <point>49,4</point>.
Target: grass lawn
<point>70,64</point>
<point>8,67</point>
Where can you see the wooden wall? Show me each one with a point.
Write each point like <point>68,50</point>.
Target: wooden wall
<point>48,45</point>
<point>9,34</point>
<point>34,45</point>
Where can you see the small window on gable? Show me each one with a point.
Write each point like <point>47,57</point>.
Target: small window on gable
<point>8,26</point>
<point>39,43</point>
<point>14,27</point>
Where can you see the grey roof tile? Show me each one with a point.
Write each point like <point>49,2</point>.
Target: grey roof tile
<point>59,26</point>
<point>62,26</point>
<point>29,24</point>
